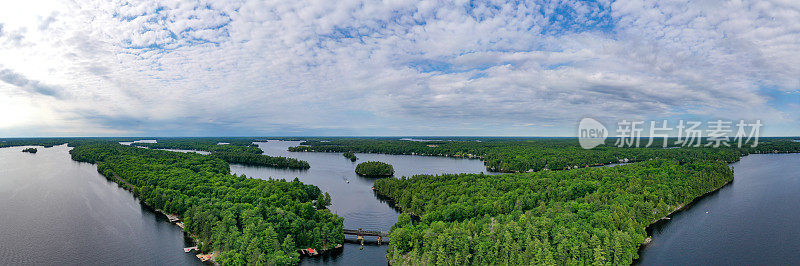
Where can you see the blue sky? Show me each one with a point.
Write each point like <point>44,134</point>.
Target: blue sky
<point>496,68</point>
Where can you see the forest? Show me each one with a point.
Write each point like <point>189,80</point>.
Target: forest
<point>231,150</point>
<point>351,156</point>
<point>261,160</point>
<point>50,142</point>
<point>588,215</point>
<point>237,145</point>
<point>250,221</point>
<point>373,168</point>
<point>584,216</point>
<point>536,154</point>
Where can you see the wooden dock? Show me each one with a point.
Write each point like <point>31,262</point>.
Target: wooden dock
<point>173,218</point>
<point>309,252</point>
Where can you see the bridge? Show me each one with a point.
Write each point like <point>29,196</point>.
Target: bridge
<point>360,234</point>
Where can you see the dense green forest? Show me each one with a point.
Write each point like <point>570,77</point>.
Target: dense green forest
<point>585,216</point>
<point>250,221</point>
<point>591,215</point>
<point>234,145</point>
<point>373,168</point>
<point>231,150</point>
<point>50,142</point>
<point>536,154</point>
<point>351,156</point>
<point>30,150</point>
<point>261,160</point>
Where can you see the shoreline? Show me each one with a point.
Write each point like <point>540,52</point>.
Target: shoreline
<point>648,229</point>
<point>668,217</point>
<point>175,220</point>
<point>171,218</point>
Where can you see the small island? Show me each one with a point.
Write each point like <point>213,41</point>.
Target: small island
<point>31,150</point>
<point>373,168</point>
<point>350,155</point>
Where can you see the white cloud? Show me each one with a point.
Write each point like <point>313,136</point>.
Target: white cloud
<point>394,67</point>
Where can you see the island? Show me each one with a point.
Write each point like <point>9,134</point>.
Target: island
<point>30,150</point>
<point>350,155</point>
<point>374,169</point>
<point>584,216</point>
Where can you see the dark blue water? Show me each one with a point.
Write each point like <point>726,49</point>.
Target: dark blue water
<point>56,211</point>
<point>355,200</point>
<point>753,221</point>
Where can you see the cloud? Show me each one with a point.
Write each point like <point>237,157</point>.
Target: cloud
<point>407,67</point>
<point>14,38</point>
<point>33,86</point>
<point>47,21</point>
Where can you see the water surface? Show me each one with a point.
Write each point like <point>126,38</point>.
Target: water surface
<point>352,195</point>
<point>57,211</point>
<point>752,221</point>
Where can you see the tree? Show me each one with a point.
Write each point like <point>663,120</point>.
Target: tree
<point>289,246</point>
<point>227,213</point>
<point>374,168</point>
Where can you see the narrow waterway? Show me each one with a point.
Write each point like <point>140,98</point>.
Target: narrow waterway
<point>353,197</point>
<point>56,211</point>
<point>752,221</point>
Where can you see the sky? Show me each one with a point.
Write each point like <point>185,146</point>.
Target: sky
<point>392,68</point>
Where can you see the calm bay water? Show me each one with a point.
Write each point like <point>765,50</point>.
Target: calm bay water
<point>752,221</point>
<point>354,200</point>
<point>56,211</point>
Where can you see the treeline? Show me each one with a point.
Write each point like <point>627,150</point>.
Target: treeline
<point>233,145</point>
<point>261,160</point>
<point>393,146</point>
<point>373,168</point>
<point>536,154</point>
<point>350,155</point>
<point>50,142</point>
<point>250,221</point>
<point>586,216</point>
<point>231,150</point>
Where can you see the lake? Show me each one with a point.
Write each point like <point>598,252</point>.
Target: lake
<point>752,221</point>
<point>58,211</point>
<point>354,200</point>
